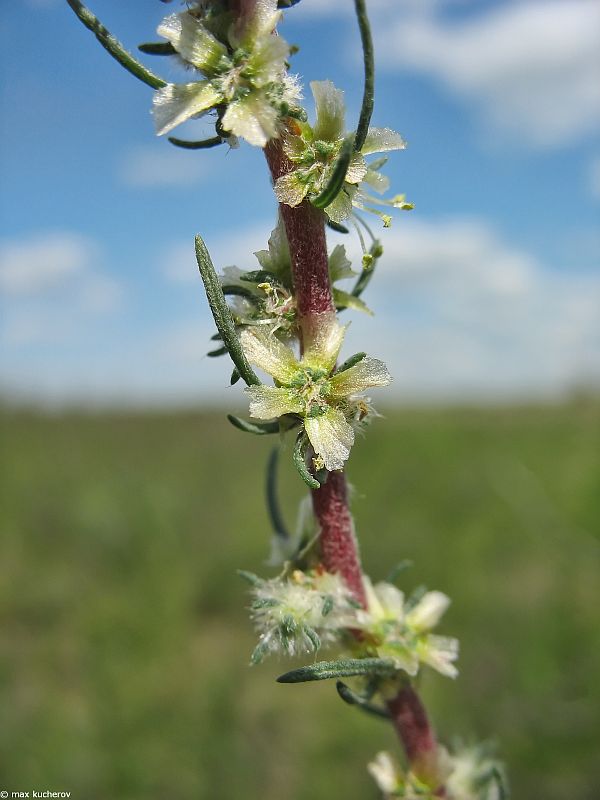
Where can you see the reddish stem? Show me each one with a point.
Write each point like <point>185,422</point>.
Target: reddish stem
<point>305,229</point>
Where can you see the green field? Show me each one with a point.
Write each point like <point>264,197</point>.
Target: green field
<point>124,641</point>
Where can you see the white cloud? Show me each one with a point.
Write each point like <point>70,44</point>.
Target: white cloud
<point>49,284</point>
<point>531,67</point>
<point>460,311</point>
<point>43,262</point>
<point>161,164</point>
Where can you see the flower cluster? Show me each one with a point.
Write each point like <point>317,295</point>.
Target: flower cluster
<point>266,296</point>
<point>245,69</point>
<point>315,150</point>
<point>328,402</point>
<point>401,630</point>
<point>472,774</point>
<point>300,613</point>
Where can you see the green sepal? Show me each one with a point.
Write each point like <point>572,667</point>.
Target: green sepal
<point>222,314</point>
<point>250,577</point>
<point>350,362</point>
<point>344,667</point>
<point>300,463</point>
<point>220,351</point>
<point>346,300</point>
<point>335,226</point>
<point>327,606</point>
<point>353,699</point>
<point>338,176</point>
<point>157,48</point>
<point>114,47</point>
<point>257,428</point>
<point>259,652</point>
<point>313,636</point>
<point>201,144</point>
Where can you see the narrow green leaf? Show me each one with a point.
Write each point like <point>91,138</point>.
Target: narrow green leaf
<point>337,178</point>
<point>201,144</point>
<point>259,652</point>
<point>222,314</point>
<point>353,699</point>
<point>220,351</point>
<point>350,362</point>
<point>503,793</point>
<point>157,48</point>
<point>323,670</point>
<point>368,100</point>
<point>238,291</point>
<point>400,567</point>
<point>273,507</point>
<point>114,47</point>
<point>260,276</point>
<point>250,577</point>
<point>235,376</point>
<point>335,226</point>
<point>300,461</point>
<point>258,428</point>
<point>414,598</point>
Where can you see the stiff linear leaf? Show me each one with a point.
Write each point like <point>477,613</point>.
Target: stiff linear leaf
<point>114,47</point>
<point>157,48</point>
<point>220,351</point>
<point>257,428</point>
<point>235,376</point>
<point>368,100</point>
<point>363,280</point>
<point>299,458</point>
<point>400,567</point>
<point>250,577</point>
<point>342,668</point>
<point>337,178</point>
<point>273,507</point>
<point>222,314</point>
<point>336,226</point>
<point>353,699</point>
<point>350,362</point>
<point>202,144</point>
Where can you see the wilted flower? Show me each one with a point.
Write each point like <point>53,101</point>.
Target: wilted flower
<point>245,67</point>
<point>402,633</point>
<point>327,401</point>
<point>300,613</point>
<point>314,151</point>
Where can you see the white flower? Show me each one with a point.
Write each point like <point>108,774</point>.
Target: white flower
<point>403,633</point>
<point>310,388</point>
<point>315,150</point>
<point>299,614</point>
<point>245,69</point>
<point>475,776</point>
<point>384,772</point>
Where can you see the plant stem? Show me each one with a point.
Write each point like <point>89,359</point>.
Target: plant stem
<point>305,229</point>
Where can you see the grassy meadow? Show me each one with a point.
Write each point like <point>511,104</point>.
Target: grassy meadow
<point>124,639</point>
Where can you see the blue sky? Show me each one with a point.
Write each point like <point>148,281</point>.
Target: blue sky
<point>489,289</point>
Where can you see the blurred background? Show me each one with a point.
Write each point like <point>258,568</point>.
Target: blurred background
<point>126,499</point>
